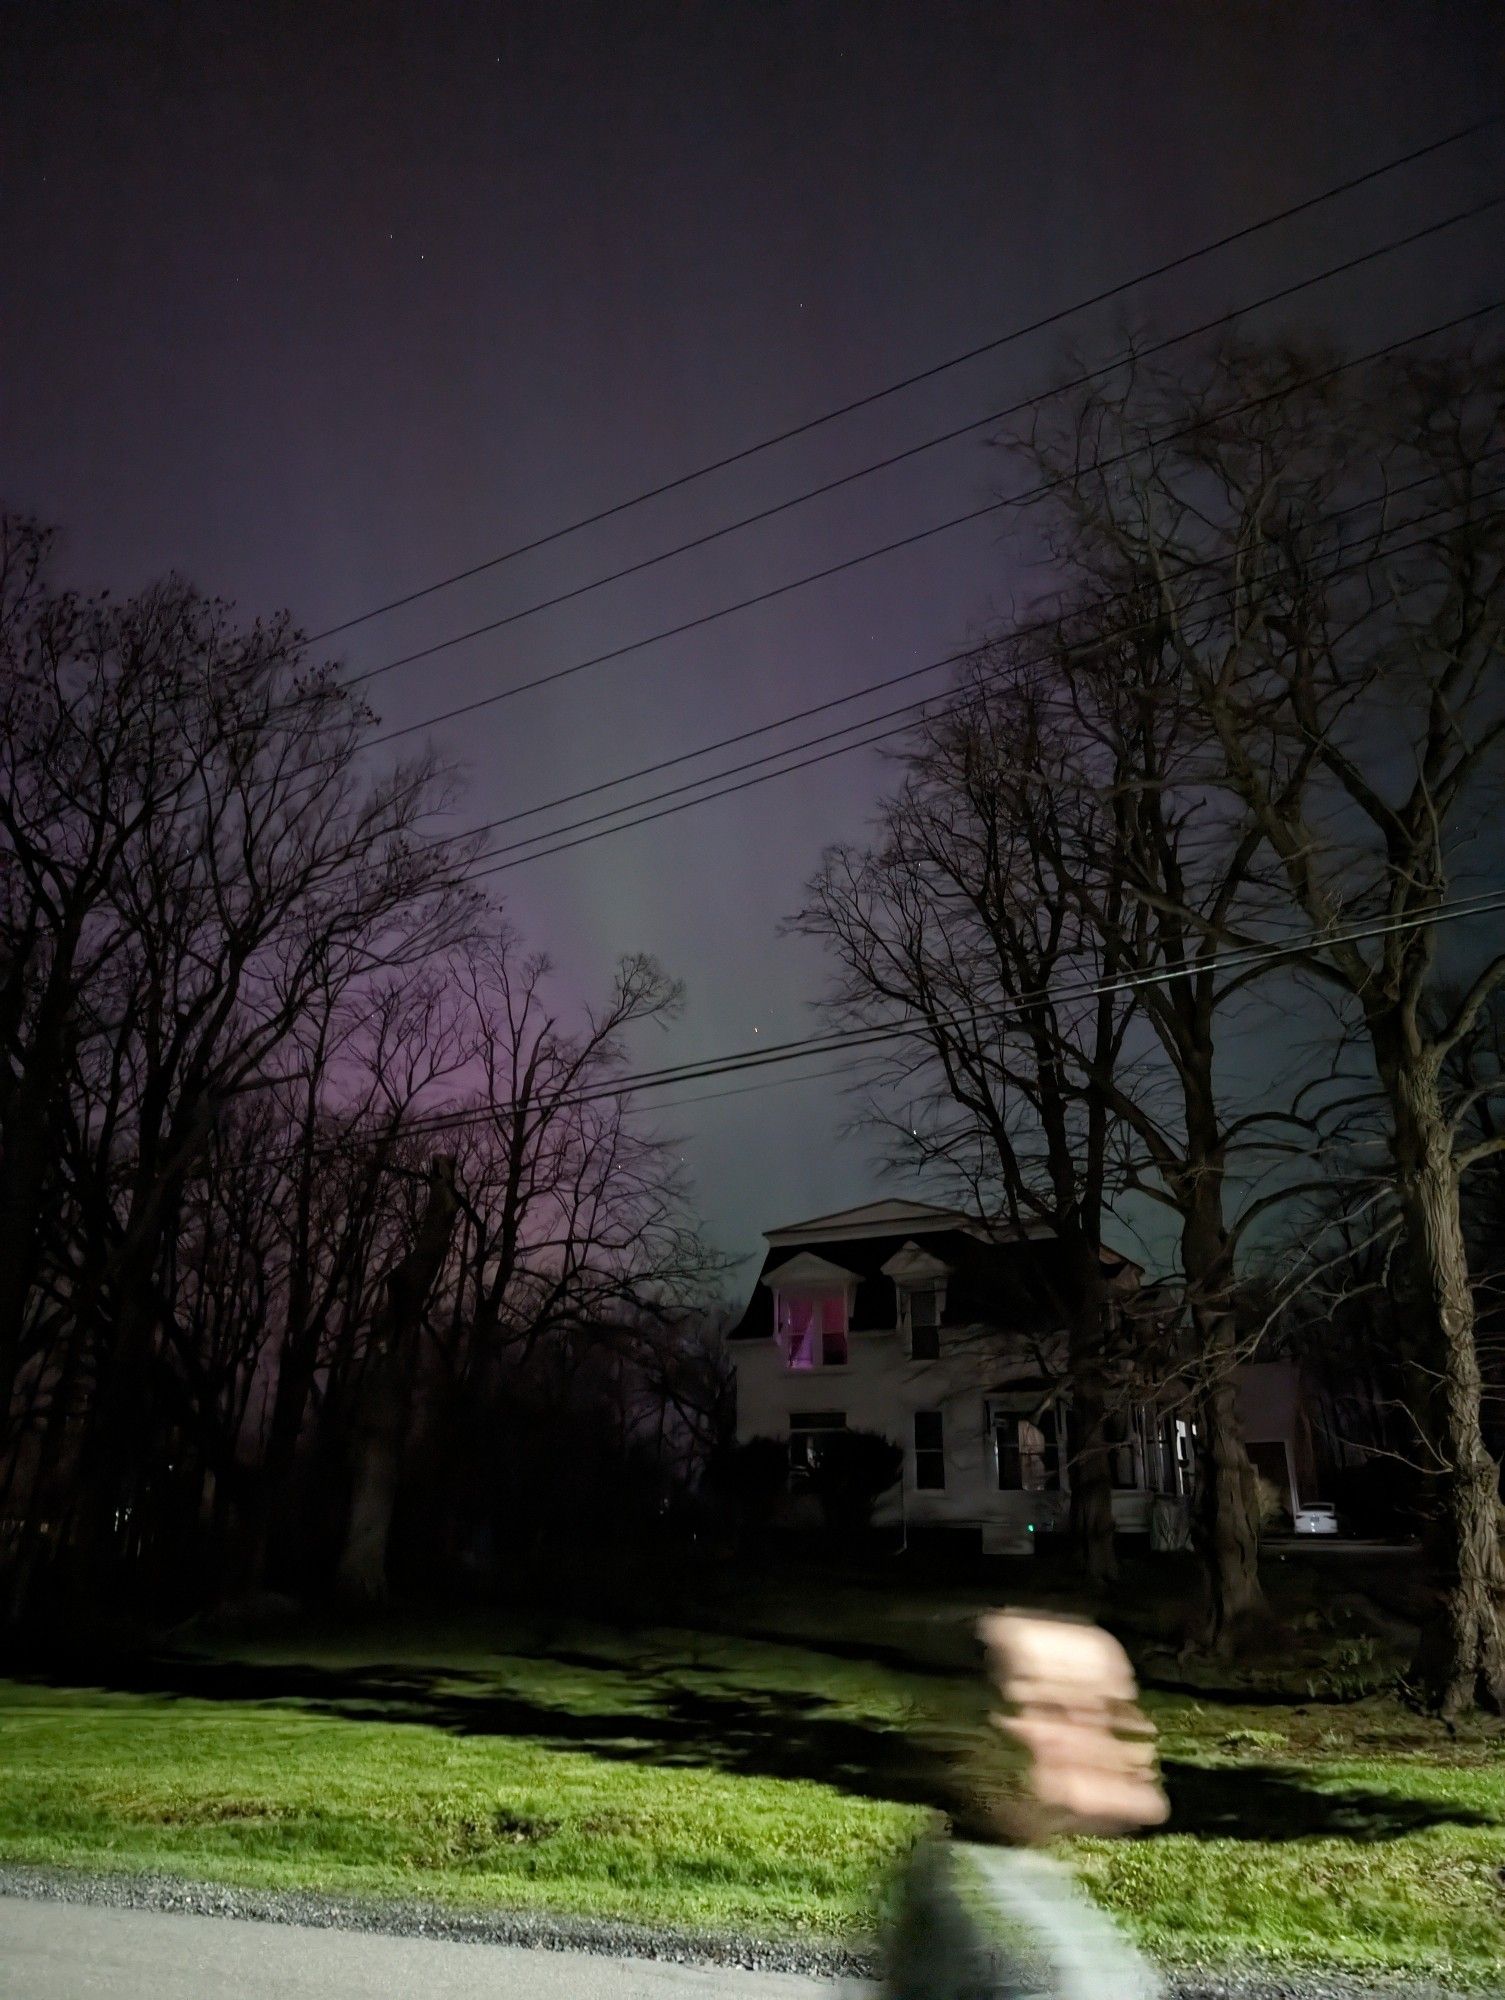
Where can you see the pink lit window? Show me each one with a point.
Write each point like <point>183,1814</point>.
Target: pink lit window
<point>796,1326</point>
<point>812,1329</point>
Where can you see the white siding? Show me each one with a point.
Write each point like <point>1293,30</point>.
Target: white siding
<point>879,1389</point>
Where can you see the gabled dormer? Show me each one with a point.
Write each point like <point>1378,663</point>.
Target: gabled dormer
<point>812,1310</point>
<point>899,1269</point>
<point>919,1280</point>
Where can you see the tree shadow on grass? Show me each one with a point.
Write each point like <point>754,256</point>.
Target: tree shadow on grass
<point>744,1730</point>
<point>1277,1803</point>
<point>748,1731</point>
<point>1239,1694</point>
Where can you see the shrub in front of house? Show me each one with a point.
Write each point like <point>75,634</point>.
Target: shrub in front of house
<point>849,1471</point>
<point>745,1484</point>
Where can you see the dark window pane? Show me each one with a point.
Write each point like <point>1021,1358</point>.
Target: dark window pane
<point>929,1451</point>
<point>807,1429</point>
<point>1050,1424</point>
<point>924,1343</point>
<point>1006,1444</point>
<point>1121,1467</point>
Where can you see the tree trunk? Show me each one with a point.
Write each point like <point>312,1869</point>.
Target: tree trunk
<point>120,1441</point>
<point>32,1553</point>
<point>1225,1506</point>
<point>1091,1474</point>
<point>270,1505</point>
<point>1082,1301</point>
<point>1461,1658</point>
<point>1225,1503</point>
<point>381,1402</point>
<point>25,1162</point>
<point>23,1187</point>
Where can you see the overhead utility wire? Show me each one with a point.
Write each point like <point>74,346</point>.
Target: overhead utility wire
<point>1252,403</point>
<point>472,873</point>
<point>991,346</point>
<point>820,575</point>
<point>914,709</point>
<point>768,1083</point>
<point>1264,951</point>
<point>895,729</point>
<point>879,686</point>
<point>916,450</point>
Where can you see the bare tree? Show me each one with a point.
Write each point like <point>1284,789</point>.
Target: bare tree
<point>369,1061</point>
<point>1325,561</point>
<point>574,1211</point>
<point>383,1390</point>
<point>190,852</point>
<point>243,997</point>
<point>963,926</point>
<point>1161,870</point>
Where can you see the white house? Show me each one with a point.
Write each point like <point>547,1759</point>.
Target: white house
<point>939,1333</point>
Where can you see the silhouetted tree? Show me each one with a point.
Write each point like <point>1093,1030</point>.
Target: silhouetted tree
<point>850,1470</point>
<point>960,924</point>
<point>1323,557</point>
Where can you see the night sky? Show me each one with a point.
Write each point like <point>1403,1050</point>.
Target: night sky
<point>316,302</point>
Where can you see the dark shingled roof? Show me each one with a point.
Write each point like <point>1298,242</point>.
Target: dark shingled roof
<point>1008,1284</point>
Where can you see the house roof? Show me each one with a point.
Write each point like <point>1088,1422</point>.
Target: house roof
<point>914,1266</point>
<point>1011,1283</point>
<point>874,1218</point>
<point>805,1268</point>
<point>1001,1274</point>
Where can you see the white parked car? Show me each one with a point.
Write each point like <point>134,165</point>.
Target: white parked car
<point>1318,1517</point>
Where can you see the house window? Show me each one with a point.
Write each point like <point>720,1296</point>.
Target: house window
<point>1185,1445</point>
<point>812,1329</point>
<point>929,1451</point>
<point>1123,1469</point>
<point>1176,1440</point>
<point>806,1430</point>
<point>922,1309</point>
<point>1027,1453</point>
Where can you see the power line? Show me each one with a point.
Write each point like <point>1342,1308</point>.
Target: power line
<point>1265,951</point>
<point>914,709</point>
<point>823,574</point>
<point>1286,389</point>
<point>897,729</point>
<point>915,450</point>
<point>1308,381</point>
<point>471,872</point>
<point>879,686</point>
<point>872,397</point>
<point>767,1083</point>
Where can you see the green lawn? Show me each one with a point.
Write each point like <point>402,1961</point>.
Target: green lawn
<point>728,1783</point>
<point>604,1783</point>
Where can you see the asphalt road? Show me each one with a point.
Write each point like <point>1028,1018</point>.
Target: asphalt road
<point>74,1951</point>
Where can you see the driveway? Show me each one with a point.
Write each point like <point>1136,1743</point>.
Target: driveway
<point>75,1951</point>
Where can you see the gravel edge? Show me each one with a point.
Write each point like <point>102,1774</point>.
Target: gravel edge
<point>602,1937</point>
<point>818,1958</point>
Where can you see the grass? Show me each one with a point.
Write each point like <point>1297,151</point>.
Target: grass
<point>1357,1840</point>
<point>724,1782</point>
<point>614,1782</point>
